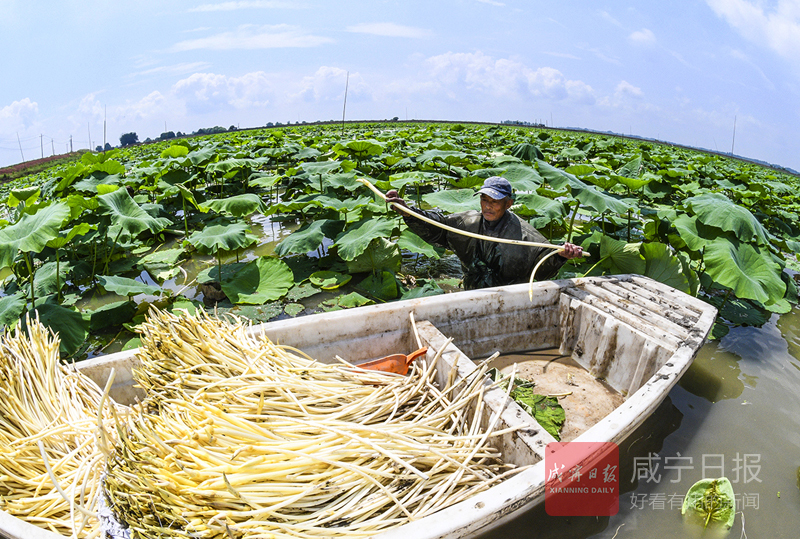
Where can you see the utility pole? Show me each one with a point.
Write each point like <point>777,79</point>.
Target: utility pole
<point>20,147</point>
<point>53,146</point>
<point>70,144</point>
<point>88,128</point>
<point>41,143</point>
<point>344,108</point>
<point>734,134</point>
<point>105,107</point>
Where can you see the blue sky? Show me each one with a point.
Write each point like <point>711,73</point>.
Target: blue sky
<point>686,72</point>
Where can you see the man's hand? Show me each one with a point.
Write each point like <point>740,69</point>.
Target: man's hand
<point>392,196</point>
<point>571,251</point>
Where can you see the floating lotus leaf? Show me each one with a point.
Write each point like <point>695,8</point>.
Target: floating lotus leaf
<point>293,309</point>
<point>353,299</point>
<point>711,502</point>
<point>329,280</point>
<point>163,265</point>
<point>741,267</point>
<point>717,210</point>
<point>357,238</point>
<point>257,282</point>
<point>454,200</point>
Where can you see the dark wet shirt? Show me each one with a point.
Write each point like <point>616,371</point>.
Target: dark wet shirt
<point>487,263</point>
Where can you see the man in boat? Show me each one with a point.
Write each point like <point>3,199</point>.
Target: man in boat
<point>488,263</point>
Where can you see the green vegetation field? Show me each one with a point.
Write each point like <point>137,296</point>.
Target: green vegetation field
<point>88,246</point>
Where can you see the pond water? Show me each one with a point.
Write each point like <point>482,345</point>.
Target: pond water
<point>735,413</point>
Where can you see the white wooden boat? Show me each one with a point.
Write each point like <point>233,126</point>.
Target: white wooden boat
<point>635,334</point>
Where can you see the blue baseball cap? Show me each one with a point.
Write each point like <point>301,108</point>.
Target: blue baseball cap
<point>496,187</point>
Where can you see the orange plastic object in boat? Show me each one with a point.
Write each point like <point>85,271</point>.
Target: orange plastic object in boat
<point>396,363</point>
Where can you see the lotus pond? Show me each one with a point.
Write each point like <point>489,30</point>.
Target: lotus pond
<point>273,223</point>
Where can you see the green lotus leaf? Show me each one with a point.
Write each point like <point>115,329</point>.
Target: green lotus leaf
<point>27,195</point>
<point>353,299</point>
<point>320,167</point>
<point>694,233</point>
<point>717,210</point>
<point>411,242</point>
<point>163,265</point>
<point>632,168</point>
<point>128,216</point>
<point>216,238</point>
<point>329,280</point>
<point>47,281</point>
<point>623,257</point>
<point>711,502</point>
<point>127,287</point>
<point>663,266</point>
<point>345,180</point>
<point>362,148</point>
<point>70,325</point>
<point>91,184</point>
<point>530,205</point>
<point>588,195</point>
<point>423,289</point>
<point>11,308</point>
<point>527,151</point>
<point>257,282</point>
<point>232,165</point>
<point>293,309</point>
<point>301,291</point>
<point>743,268</point>
<point>381,255</point>
<point>112,314</point>
<point>454,200</point>
<point>572,154</point>
<point>237,206</point>
<point>382,285</point>
<point>308,237</point>
<point>523,177</point>
<point>32,232</point>
<point>357,238</point>
<point>263,179</point>
<point>175,151</point>
<point>302,266</point>
<point>346,205</point>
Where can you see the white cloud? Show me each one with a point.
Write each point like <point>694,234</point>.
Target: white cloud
<point>19,114</point>
<point>176,69</point>
<point>207,92</point>
<point>235,6</point>
<point>254,37</point>
<point>492,3</point>
<point>329,84</point>
<point>778,28</point>
<point>643,37</point>
<point>390,29</point>
<point>626,89</point>
<point>504,78</point>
